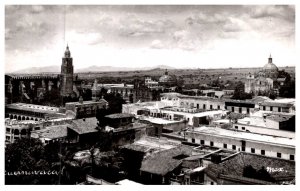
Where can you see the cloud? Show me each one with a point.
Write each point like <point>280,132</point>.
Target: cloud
<point>276,11</point>
<point>186,40</point>
<point>201,18</point>
<point>132,26</point>
<point>157,44</point>
<point>37,9</point>
<point>84,38</point>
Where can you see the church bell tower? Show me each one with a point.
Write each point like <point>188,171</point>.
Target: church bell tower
<point>67,74</point>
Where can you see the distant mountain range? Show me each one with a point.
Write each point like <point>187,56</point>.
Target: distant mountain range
<point>56,69</point>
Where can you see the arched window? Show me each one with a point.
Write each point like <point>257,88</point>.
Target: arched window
<point>16,132</point>
<point>23,132</point>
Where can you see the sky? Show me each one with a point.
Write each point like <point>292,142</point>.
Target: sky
<point>180,36</point>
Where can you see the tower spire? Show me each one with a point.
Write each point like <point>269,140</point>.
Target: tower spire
<point>270,58</point>
<point>67,52</point>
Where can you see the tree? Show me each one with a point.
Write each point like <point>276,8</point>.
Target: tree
<point>28,155</point>
<point>115,102</point>
<point>288,90</point>
<point>87,94</point>
<point>239,92</point>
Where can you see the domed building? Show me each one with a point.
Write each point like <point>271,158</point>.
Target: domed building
<point>263,81</point>
<point>167,80</point>
<point>270,69</point>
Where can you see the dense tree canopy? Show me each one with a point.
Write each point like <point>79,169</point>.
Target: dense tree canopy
<point>28,155</point>
<point>239,92</point>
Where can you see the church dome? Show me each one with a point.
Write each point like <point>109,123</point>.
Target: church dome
<point>167,79</point>
<point>270,69</point>
<point>270,66</point>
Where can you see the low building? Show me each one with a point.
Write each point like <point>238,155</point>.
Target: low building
<point>119,119</point>
<point>142,108</point>
<point>83,130</point>
<point>213,93</point>
<point>85,109</point>
<point>15,130</point>
<point>266,145</point>
<point>239,106</point>
<point>162,125</point>
<point>157,168</point>
<point>192,170</point>
<point>271,124</point>
<point>278,106</point>
<point>193,117</point>
<point>250,169</point>
<point>50,134</point>
<point>24,111</point>
<point>149,83</point>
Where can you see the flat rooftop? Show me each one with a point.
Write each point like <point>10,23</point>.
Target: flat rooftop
<point>215,131</point>
<point>158,120</point>
<point>33,108</point>
<point>255,121</point>
<point>119,115</point>
<point>86,102</point>
<point>152,144</point>
<point>200,114</point>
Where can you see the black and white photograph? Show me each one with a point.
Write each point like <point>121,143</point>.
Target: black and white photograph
<point>149,94</point>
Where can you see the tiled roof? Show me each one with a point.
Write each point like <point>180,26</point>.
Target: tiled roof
<point>279,118</point>
<point>87,102</point>
<point>276,104</point>
<point>119,115</point>
<point>162,162</point>
<point>233,167</point>
<point>53,132</point>
<point>82,126</point>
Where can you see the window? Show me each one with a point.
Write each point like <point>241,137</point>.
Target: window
<point>252,150</point>
<point>202,142</point>
<point>240,110</point>
<point>233,147</point>
<point>219,107</point>
<point>278,155</point>
<point>232,109</point>
<point>7,130</point>
<point>262,152</point>
<point>197,106</point>
<point>264,108</point>
<point>211,107</point>
<point>211,183</point>
<point>243,128</point>
<point>292,157</point>
<point>243,148</point>
<point>236,127</point>
<point>271,108</point>
<point>279,109</point>
<point>211,143</point>
<point>225,107</point>
<point>225,146</point>
<point>193,140</point>
<point>204,106</point>
<point>248,111</point>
